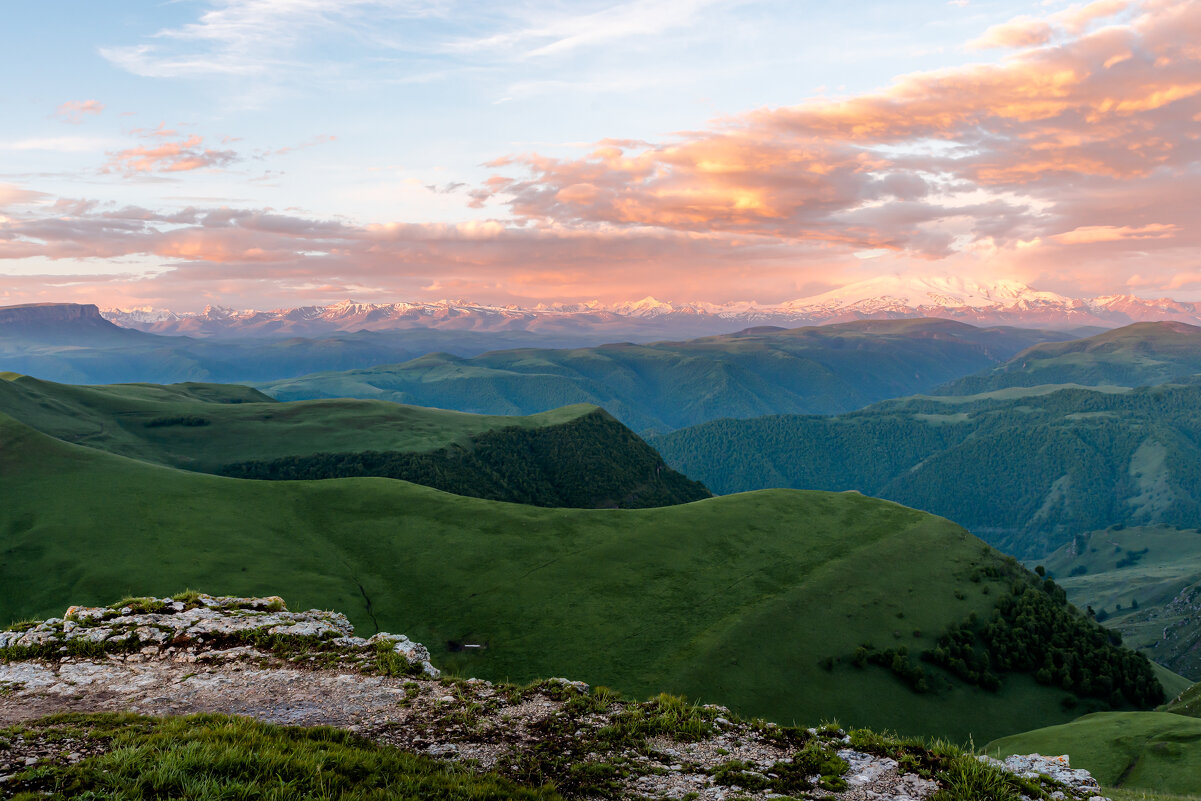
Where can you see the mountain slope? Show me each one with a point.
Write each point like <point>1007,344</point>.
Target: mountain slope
<point>1144,581</point>
<point>576,456</point>
<point>1024,469</point>
<point>715,599</point>
<point>667,385</point>
<point>1137,355</point>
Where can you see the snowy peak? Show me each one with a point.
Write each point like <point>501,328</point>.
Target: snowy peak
<point>939,292</point>
<point>1004,302</point>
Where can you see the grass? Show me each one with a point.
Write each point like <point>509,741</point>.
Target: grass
<point>1154,751</point>
<point>734,600</point>
<point>214,758</point>
<point>1132,575</point>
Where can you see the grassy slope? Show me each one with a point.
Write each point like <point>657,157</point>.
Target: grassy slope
<point>243,425</point>
<point>1156,751</point>
<point>1165,580</point>
<point>732,599</point>
<point>666,385</point>
<point>1024,471</point>
<point>1136,355</point>
<point>1187,702</point>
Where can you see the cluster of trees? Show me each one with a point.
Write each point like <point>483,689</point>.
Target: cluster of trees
<point>1035,631</point>
<point>1032,630</point>
<point>190,421</point>
<point>898,662</point>
<point>590,462</point>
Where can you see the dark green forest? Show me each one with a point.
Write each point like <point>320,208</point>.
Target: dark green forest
<point>557,465</point>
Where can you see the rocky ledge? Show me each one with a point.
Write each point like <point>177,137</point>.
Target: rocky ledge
<point>252,657</point>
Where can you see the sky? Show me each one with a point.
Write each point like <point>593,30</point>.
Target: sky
<point>275,153</point>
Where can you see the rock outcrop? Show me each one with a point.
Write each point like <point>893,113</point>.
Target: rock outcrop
<point>253,657</point>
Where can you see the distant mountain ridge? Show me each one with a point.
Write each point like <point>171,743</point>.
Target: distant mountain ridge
<point>1004,302</point>
<point>661,386</point>
<point>52,323</point>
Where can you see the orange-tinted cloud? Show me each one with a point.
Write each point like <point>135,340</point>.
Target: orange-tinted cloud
<point>166,156</point>
<point>73,111</point>
<point>1027,139</point>
<point>1020,32</point>
<point>1090,234</point>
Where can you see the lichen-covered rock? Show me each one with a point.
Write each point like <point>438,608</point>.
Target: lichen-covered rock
<point>195,628</point>
<point>1057,768</point>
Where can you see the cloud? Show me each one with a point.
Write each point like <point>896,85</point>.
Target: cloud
<point>1091,234</point>
<point>242,38</point>
<point>13,195</point>
<point>73,111</point>
<point>547,34</point>
<point>184,154</point>
<point>1003,152</point>
<point>1018,32</point>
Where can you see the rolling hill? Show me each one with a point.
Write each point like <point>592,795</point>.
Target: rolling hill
<point>577,456</point>
<point>1144,581</point>
<point>667,385</point>
<point>770,601</point>
<point>1142,354</point>
<point>1026,469</point>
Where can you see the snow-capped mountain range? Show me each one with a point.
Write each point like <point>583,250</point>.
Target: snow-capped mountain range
<point>889,297</point>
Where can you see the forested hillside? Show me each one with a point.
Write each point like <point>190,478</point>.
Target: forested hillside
<point>1142,354</point>
<point>1024,471</point>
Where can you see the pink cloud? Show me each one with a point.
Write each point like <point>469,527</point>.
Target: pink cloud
<point>1090,234</point>
<point>1019,32</point>
<point>181,155</point>
<point>73,111</point>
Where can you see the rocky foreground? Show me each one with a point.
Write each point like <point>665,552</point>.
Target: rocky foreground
<point>251,657</point>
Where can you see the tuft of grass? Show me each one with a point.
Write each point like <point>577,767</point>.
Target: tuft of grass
<point>968,779</point>
<point>215,758</point>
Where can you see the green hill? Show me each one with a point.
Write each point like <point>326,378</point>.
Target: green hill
<point>576,456</point>
<point>667,385</point>
<point>1142,354</point>
<point>1144,581</point>
<point>773,602</point>
<point>1026,469</point>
